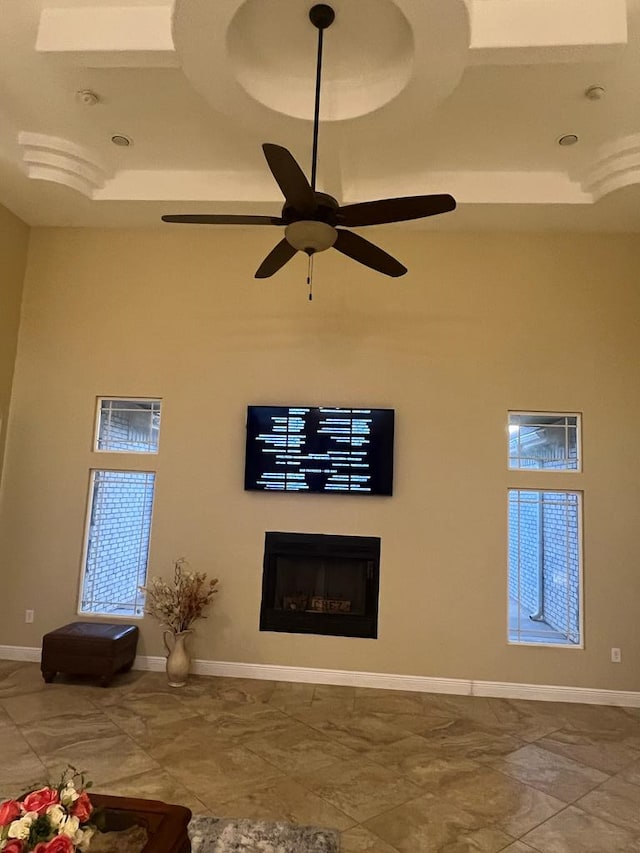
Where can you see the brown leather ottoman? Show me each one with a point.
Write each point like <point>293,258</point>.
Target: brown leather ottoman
<point>89,648</point>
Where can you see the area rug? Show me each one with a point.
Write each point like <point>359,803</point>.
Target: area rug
<point>224,835</point>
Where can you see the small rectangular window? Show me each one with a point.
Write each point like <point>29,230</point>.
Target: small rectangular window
<point>117,542</point>
<point>128,426</point>
<point>545,567</point>
<point>544,441</point>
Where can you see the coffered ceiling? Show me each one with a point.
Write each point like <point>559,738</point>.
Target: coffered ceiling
<point>468,97</point>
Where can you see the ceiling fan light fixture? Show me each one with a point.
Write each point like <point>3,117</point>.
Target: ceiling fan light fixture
<point>310,236</point>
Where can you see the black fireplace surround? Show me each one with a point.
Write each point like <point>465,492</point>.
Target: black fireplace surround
<point>315,583</point>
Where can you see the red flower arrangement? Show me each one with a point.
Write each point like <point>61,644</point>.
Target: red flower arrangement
<point>51,819</point>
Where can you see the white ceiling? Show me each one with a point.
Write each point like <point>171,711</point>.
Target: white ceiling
<point>419,96</point>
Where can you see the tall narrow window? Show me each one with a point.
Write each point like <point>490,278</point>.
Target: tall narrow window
<point>119,510</point>
<point>545,567</point>
<point>117,544</point>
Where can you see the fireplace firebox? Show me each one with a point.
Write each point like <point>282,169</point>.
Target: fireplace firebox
<point>315,583</point>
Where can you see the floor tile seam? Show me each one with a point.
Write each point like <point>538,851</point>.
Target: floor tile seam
<point>489,824</point>
<point>291,716</point>
<point>386,766</point>
<point>426,789</point>
<point>20,695</point>
<point>299,777</point>
<point>542,790</point>
<point>581,763</point>
<point>264,779</point>
<point>519,840</point>
<point>317,730</point>
<point>386,811</point>
<point>292,776</point>
<point>287,777</point>
<point>590,811</point>
<point>542,823</point>
<point>446,796</point>
<point>50,718</point>
<point>144,750</point>
<point>167,770</point>
<point>560,755</point>
<point>75,744</point>
<point>599,785</point>
<point>38,758</point>
<point>101,787</point>
<point>633,832</point>
<point>361,825</point>
<point>298,722</point>
<point>546,734</point>
<point>603,730</point>
<point>112,721</point>
<point>48,754</point>
<point>17,727</point>
<point>99,708</point>
<point>339,695</point>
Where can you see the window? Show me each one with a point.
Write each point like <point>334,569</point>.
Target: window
<point>545,567</point>
<point>117,542</point>
<point>120,507</point>
<point>544,440</point>
<point>128,426</point>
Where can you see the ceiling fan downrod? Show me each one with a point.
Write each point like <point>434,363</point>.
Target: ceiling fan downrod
<point>321,16</point>
<point>314,221</point>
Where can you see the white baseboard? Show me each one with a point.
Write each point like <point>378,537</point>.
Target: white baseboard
<point>381,681</point>
<point>556,693</point>
<point>20,653</point>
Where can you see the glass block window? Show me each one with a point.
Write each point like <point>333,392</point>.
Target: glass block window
<point>117,542</point>
<point>544,441</point>
<point>128,426</point>
<point>545,567</point>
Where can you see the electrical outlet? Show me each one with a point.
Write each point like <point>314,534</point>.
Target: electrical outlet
<point>615,656</point>
<point>28,616</point>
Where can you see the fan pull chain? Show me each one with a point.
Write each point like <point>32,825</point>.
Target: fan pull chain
<point>310,277</point>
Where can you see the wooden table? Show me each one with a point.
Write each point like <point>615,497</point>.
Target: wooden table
<point>166,824</point>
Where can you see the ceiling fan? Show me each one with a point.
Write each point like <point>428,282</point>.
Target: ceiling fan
<point>314,221</point>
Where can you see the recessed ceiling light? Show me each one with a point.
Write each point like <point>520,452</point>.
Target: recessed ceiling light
<point>595,93</point>
<point>568,139</point>
<point>121,139</point>
<point>87,97</point>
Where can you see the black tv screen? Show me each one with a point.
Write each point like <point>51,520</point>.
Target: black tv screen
<point>319,449</point>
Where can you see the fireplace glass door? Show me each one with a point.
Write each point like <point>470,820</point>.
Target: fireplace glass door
<point>320,584</point>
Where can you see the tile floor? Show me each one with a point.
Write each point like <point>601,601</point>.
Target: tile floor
<point>394,771</point>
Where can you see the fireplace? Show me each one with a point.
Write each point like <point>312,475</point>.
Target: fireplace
<point>315,583</point>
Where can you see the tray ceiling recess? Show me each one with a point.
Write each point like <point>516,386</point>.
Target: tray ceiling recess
<point>113,112</point>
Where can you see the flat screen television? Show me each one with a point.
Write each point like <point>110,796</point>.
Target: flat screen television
<point>319,449</point>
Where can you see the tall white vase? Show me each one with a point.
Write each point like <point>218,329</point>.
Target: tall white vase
<point>178,660</point>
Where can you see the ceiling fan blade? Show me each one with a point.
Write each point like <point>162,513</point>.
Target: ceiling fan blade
<point>361,250</point>
<point>395,209</point>
<point>290,178</point>
<point>276,258</point>
<point>222,219</point>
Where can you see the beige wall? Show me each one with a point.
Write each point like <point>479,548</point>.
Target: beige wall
<point>14,238</point>
<point>481,323</point>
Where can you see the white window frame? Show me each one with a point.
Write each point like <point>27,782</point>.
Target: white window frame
<point>120,398</point>
<point>580,539</point>
<point>533,414</point>
<point>85,547</point>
